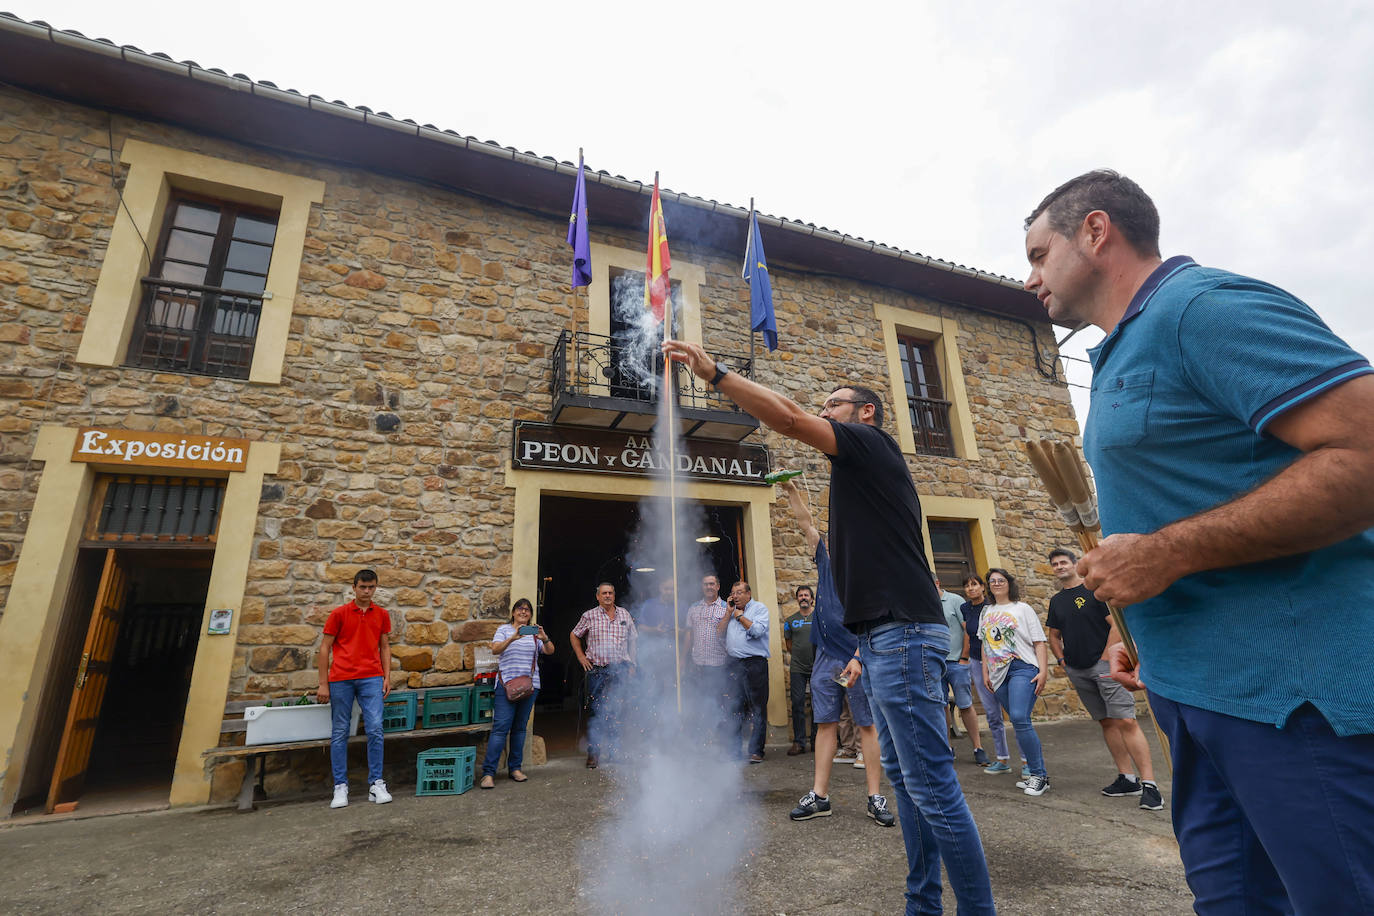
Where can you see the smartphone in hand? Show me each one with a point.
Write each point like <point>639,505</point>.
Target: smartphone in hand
<point>529,631</point>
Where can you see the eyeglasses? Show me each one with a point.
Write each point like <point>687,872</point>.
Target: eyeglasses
<point>998,582</point>
<point>836,402</point>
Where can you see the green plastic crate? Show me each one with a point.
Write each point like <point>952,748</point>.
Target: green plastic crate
<point>448,706</point>
<point>482,701</point>
<point>445,770</point>
<point>399,711</point>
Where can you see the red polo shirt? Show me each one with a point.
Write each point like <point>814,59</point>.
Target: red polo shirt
<point>357,634</point>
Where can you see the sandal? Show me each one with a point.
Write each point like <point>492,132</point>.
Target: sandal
<point>487,782</point>
<point>518,776</point>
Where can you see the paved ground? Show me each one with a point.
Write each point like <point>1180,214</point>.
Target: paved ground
<point>525,849</point>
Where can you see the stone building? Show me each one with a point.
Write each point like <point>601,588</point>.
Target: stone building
<point>252,340</point>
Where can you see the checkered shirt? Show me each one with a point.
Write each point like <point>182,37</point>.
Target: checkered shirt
<point>708,646</point>
<point>607,640</point>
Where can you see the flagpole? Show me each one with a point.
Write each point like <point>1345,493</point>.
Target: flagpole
<point>670,434</point>
<point>749,248</point>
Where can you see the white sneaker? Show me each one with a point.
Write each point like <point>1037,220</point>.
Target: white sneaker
<point>377,793</point>
<point>859,762</point>
<point>1036,785</point>
<point>340,796</point>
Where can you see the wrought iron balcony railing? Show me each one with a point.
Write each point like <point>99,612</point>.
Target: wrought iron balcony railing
<point>930,426</point>
<point>205,330</point>
<point>604,380</point>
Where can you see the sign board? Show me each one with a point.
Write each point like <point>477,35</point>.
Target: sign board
<point>220,618</point>
<point>137,448</point>
<point>542,447</point>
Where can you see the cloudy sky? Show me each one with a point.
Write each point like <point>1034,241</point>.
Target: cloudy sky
<point>934,127</point>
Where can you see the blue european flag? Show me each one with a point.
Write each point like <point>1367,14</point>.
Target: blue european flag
<point>577,231</point>
<point>760,287</point>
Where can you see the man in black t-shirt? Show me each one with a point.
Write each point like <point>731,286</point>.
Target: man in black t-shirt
<point>890,602</point>
<point>1079,625</point>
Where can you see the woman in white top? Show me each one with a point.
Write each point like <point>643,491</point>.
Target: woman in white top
<point>517,656</point>
<point>1015,666</point>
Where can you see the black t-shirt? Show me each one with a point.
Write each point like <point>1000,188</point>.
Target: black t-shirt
<point>876,548</point>
<point>1083,622</point>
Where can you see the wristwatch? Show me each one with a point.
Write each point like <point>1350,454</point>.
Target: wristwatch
<point>721,371</point>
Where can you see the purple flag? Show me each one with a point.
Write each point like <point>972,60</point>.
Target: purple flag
<point>577,231</point>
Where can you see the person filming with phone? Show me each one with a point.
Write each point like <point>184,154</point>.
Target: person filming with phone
<point>517,645</point>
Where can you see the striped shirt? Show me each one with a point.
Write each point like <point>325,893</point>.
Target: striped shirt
<point>708,646</point>
<point>607,640</point>
<point>516,660</point>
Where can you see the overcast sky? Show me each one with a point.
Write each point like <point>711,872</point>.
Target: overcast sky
<point>933,127</point>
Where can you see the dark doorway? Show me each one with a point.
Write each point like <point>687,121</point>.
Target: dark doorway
<point>583,542</point>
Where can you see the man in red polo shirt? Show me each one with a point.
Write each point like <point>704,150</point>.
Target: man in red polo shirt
<point>355,663</point>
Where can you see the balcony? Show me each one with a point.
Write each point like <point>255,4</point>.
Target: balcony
<point>203,330</point>
<point>597,382</point>
<point>930,426</point>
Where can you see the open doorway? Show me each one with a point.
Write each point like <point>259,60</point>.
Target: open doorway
<point>111,722</point>
<point>583,542</point>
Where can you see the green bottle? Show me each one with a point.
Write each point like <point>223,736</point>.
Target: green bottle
<point>773,477</point>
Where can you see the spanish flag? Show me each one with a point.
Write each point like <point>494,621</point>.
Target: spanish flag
<point>656,287</point>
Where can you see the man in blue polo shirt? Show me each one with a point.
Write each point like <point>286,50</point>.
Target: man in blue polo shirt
<point>1229,436</point>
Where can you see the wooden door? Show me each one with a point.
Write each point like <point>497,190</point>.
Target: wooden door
<point>92,678</point>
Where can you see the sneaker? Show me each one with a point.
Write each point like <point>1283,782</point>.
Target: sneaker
<point>1036,785</point>
<point>755,758</point>
<point>997,767</point>
<point>1124,785</point>
<point>859,762</point>
<point>877,809</point>
<point>980,757</point>
<point>1150,799</point>
<point>340,796</point>
<point>377,793</point>
<point>1025,770</point>
<point>845,757</point>
<point>811,805</point>
<point>795,749</point>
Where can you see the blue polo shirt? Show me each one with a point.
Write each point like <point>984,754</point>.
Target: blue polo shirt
<point>1183,390</point>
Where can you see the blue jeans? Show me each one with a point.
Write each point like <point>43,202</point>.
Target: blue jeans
<point>993,709</point>
<point>1017,696</point>
<point>799,717</point>
<point>606,686</point>
<point>368,692</point>
<point>1271,820</point>
<point>508,720</point>
<point>749,699</point>
<point>903,675</point>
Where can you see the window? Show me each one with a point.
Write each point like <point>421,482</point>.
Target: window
<point>635,364</point>
<point>951,551</point>
<point>925,397</point>
<point>157,509</point>
<point>200,309</point>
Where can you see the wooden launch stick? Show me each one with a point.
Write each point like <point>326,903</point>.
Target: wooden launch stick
<point>1060,467</point>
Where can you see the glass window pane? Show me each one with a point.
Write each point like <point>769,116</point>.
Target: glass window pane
<point>177,272</point>
<point>250,257</point>
<point>183,245</point>
<point>255,229</point>
<point>248,283</point>
<point>204,217</point>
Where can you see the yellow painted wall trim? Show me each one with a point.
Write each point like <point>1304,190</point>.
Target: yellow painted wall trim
<point>980,513</point>
<point>37,594</point>
<point>215,654</point>
<point>153,172</point>
<point>530,486</point>
<point>944,332</point>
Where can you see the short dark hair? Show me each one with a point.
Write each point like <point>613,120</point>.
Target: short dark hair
<point>1013,589</point>
<point>745,583</point>
<point>1062,552</point>
<point>806,588</point>
<point>864,395</point>
<point>601,585</point>
<point>364,575</point>
<point>974,577</point>
<point>1130,208</point>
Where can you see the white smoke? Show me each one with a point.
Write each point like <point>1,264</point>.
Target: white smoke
<point>676,820</point>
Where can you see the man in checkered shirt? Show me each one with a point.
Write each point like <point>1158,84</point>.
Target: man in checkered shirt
<point>608,657</point>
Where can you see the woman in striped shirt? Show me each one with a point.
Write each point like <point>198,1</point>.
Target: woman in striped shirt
<point>516,657</point>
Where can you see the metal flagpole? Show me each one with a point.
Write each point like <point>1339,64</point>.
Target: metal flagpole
<point>749,253</point>
<point>670,435</point>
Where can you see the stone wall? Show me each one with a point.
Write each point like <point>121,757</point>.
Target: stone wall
<point>423,328</point>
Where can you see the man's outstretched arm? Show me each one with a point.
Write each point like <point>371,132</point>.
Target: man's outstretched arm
<point>802,514</point>
<point>774,410</point>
